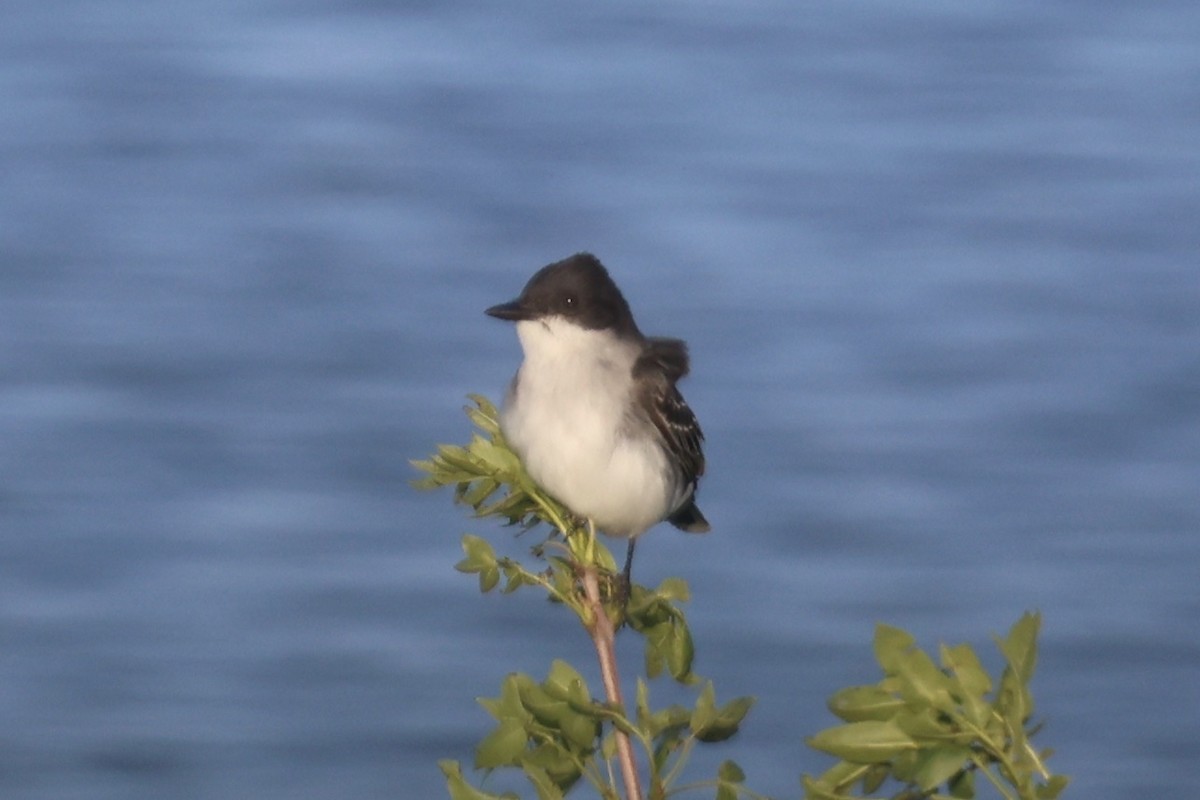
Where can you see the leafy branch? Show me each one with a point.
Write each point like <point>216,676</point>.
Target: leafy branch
<point>925,726</point>
<point>926,730</point>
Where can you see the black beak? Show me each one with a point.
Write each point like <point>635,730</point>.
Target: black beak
<point>514,311</point>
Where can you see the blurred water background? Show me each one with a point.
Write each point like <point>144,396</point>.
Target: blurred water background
<point>937,263</point>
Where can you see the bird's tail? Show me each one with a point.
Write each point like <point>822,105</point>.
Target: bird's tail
<point>690,519</point>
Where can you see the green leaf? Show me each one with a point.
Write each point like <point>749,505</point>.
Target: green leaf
<point>730,771</point>
<point>557,761</point>
<point>502,747</point>
<point>478,491</point>
<point>815,790</point>
<point>512,505</point>
<point>667,637</point>
<point>1052,788</point>
<point>874,777</point>
<point>729,780</point>
<point>565,683</point>
<point>927,726</point>
<point>674,589</point>
<point>604,558</point>
<point>936,765</point>
<point>451,458</point>
<point>485,405</point>
<point>508,705</point>
<point>488,578</point>
<point>669,725</point>
<point>970,680</point>
<point>459,789</point>
<point>922,682</point>
<point>842,775</point>
<point>962,785</point>
<point>581,731</point>
<point>890,646</point>
<point>544,708</point>
<point>642,708</point>
<point>968,671</point>
<point>859,703</point>
<point>863,742</point>
<point>656,641</point>
<point>561,678</point>
<point>1020,647</point>
<point>497,460</point>
<point>646,609</point>
<point>710,724</point>
<point>484,415</point>
<point>680,652</point>
<point>726,721</point>
<point>705,710</point>
<point>1014,701</point>
<point>515,576</point>
<point>480,554</point>
<point>608,747</point>
<point>904,765</point>
<point>546,788</point>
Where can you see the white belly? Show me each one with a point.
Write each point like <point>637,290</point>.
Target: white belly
<point>571,431</point>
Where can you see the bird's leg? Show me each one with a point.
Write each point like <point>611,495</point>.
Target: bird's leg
<point>626,574</point>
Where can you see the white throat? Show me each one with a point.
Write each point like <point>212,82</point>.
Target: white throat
<point>554,340</point>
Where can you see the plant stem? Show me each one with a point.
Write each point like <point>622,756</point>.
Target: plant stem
<point>603,636</point>
<point>987,773</point>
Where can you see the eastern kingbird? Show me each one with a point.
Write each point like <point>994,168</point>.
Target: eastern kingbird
<point>593,411</point>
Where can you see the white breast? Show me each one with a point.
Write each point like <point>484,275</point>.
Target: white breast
<point>569,424</point>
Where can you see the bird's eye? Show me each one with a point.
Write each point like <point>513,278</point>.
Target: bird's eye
<point>569,301</point>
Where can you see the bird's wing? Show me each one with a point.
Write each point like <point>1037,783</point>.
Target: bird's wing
<point>663,362</point>
<point>669,356</point>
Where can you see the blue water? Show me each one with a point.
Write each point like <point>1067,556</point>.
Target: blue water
<point>937,263</point>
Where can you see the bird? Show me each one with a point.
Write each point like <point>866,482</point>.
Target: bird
<point>594,412</point>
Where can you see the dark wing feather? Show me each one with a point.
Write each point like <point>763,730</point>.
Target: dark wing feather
<point>663,362</point>
<point>668,356</point>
